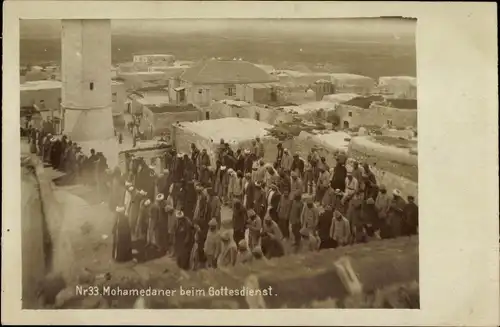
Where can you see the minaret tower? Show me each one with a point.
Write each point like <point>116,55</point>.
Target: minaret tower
<point>86,85</point>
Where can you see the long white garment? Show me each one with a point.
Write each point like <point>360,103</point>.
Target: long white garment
<point>247,235</point>
<point>245,195</point>
<point>127,202</point>
<point>270,198</point>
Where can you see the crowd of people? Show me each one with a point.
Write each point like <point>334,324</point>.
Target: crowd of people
<point>291,205</point>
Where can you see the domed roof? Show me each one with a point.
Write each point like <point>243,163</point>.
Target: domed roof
<point>310,92</point>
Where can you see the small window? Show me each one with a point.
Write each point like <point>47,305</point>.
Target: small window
<point>230,90</point>
<point>91,86</point>
<point>113,96</point>
<point>349,113</point>
<point>389,122</point>
<point>200,91</point>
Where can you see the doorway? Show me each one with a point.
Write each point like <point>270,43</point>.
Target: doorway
<point>207,115</point>
<point>346,124</point>
<point>182,96</point>
<point>274,96</point>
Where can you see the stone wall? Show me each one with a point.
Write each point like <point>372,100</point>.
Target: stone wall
<point>159,123</point>
<point>382,268</point>
<point>268,115</point>
<point>51,97</point>
<point>377,115</point>
<point>299,280</point>
<point>32,239</point>
<point>372,148</point>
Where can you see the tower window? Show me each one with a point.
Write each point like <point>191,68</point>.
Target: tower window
<point>91,86</point>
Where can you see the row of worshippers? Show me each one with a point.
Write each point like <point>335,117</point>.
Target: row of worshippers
<point>352,189</point>
<point>67,156</point>
<point>211,208</point>
<point>355,184</point>
<point>167,230</point>
<point>194,240</point>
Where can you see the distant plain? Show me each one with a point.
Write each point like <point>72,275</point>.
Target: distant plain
<point>371,47</point>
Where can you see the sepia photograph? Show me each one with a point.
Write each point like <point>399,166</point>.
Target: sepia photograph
<point>200,162</point>
<point>219,163</point>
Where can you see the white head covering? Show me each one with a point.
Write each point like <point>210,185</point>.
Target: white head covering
<point>222,167</point>
<point>120,209</point>
<point>160,197</point>
<point>127,183</point>
<point>179,214</point>
<point>147,202</point>
<point>143,192</point>
<point>396,192</point>
<point>130,188</point>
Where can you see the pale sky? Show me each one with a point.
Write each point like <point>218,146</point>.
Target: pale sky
<point>51,28</point>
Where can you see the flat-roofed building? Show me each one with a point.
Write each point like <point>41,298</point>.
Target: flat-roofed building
<point>158,119</point>
<point>216,79</point>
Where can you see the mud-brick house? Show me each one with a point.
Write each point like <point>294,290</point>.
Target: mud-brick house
<point>264,93</point>
<point>158,119</point>
<point>353,83</point>
<point>151,95</point>
<point>401,87</point>
<point>371,111</point>
<point>215,79</point>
